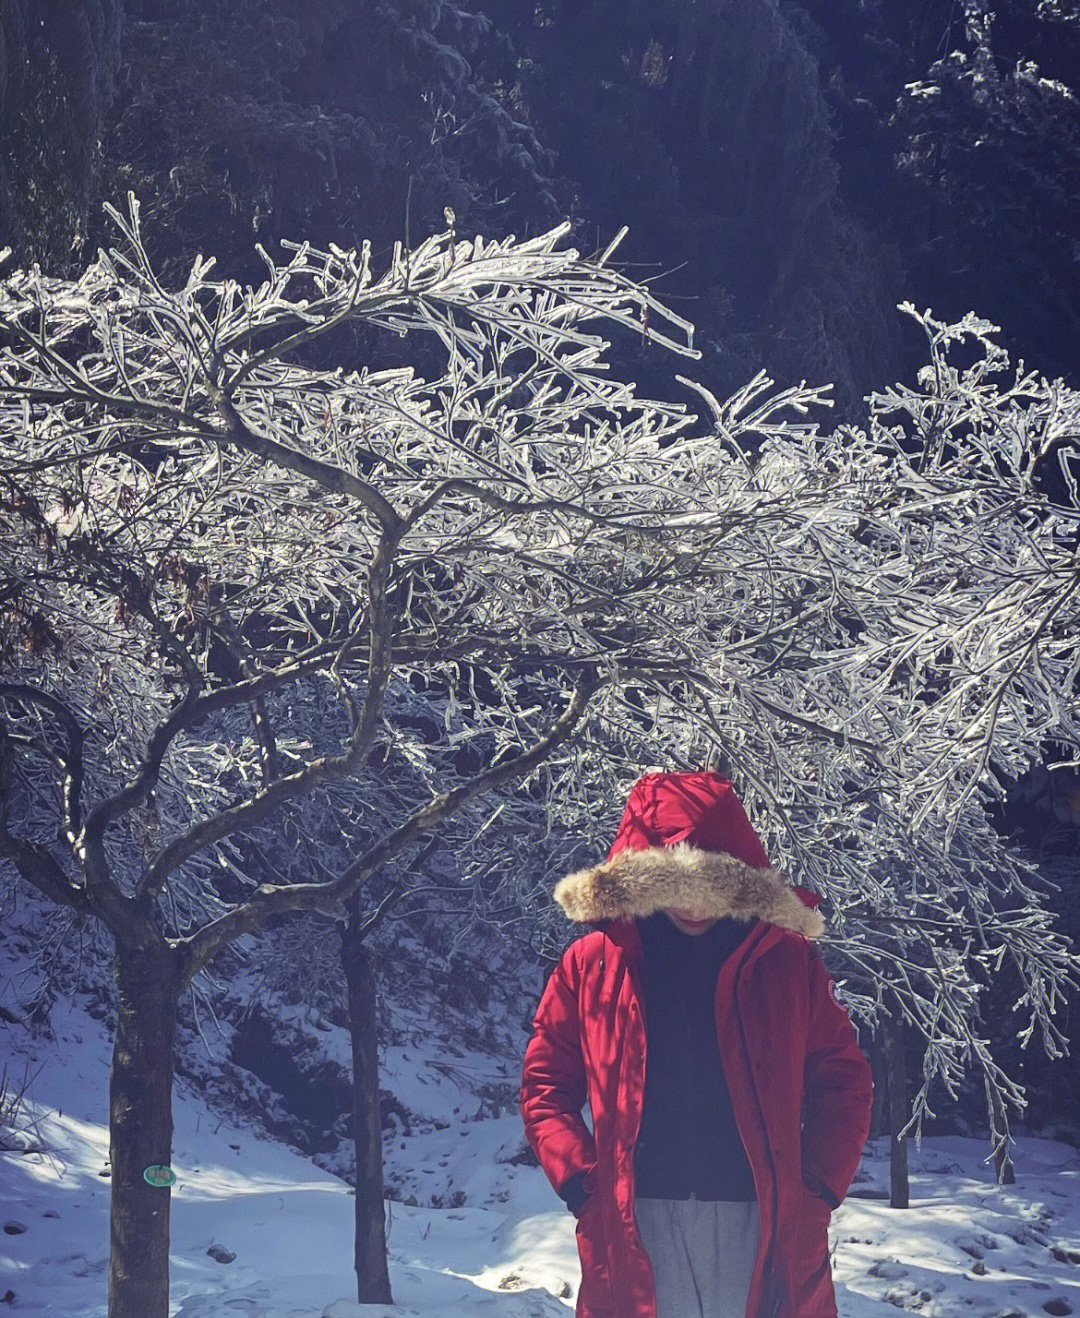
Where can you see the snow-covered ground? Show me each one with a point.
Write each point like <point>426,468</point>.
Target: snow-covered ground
<point>965,1246</point>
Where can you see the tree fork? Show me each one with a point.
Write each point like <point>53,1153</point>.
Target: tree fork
<point>1004,1173</point>
<point>141,1128</point>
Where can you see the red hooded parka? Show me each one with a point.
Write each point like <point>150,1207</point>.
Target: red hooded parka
<point>800,1087</point>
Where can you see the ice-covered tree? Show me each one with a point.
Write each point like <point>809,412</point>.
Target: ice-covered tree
<point>237,582</point>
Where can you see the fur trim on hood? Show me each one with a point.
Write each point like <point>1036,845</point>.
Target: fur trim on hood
<point>634,884</point>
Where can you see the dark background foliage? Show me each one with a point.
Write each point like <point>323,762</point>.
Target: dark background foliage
<point>788,171</point>
<point>58,64</point>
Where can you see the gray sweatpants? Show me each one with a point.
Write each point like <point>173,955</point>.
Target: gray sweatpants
<point>702,1255</point>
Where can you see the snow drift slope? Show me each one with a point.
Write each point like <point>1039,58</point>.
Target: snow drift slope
<point>503,1247</point>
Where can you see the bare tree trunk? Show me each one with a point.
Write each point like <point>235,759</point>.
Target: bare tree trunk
<point>372,1277</point>
<point>892,1032</point>
<point>881,1088</point>
<point>140,1130</point>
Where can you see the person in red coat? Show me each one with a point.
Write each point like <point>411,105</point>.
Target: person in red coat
<point>729,1098</point>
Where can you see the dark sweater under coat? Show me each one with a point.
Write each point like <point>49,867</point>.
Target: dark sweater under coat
<point>689,1145</point>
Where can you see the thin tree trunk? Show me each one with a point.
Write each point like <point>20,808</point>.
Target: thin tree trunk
<point>1004,1171</point>
<point>999,1126</point>
<point>881,1089</point>
<point>140,1130</point>
<point>372,1277</point>
<point>899,1109</point>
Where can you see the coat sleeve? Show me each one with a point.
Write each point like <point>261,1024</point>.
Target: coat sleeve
<point>553,1084</point>
<point>838,1092</point>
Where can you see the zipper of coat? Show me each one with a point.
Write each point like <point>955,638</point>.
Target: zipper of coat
<point>774,1307</point>
<point>637,984</point>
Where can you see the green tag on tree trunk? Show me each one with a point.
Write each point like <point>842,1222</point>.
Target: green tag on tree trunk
<point>159,1175</point>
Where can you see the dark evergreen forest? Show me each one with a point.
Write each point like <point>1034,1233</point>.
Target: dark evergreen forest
<point>789,169</point>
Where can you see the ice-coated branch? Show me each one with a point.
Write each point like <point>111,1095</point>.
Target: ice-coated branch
<point>207,508</point>
<point>32,861</point>
<point>326,768</point>
<point>70,757</point>
<point>269,901</point>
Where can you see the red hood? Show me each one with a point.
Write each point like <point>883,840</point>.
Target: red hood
<point>685,839</point>
<point>700,808</point>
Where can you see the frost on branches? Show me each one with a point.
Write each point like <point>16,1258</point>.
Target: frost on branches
<point>241,576</point>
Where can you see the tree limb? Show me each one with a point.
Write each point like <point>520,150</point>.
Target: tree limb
<point>334,479</point>
<point>267,901</point>
<point>71,760</point>
<point>34,863</point>
<point>325,769</point>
